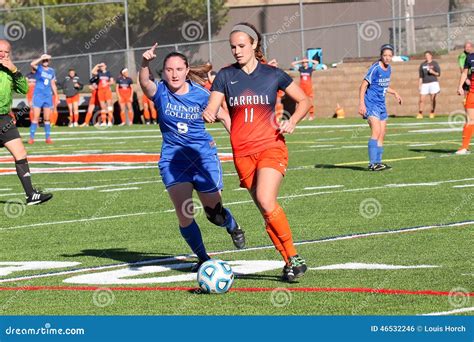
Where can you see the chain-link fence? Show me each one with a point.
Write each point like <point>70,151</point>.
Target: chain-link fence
<point>118,32</point>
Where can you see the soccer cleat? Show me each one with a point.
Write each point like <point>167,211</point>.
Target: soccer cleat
<point>298,265</point>
<point>196,266</point>
<point>31,141</point>
<point>462,151</point>
<point>49,141</point>
<point>381,167</point>
<point>419,116</point>
<point>432,116</point>
<point>122,124</point>
<point>238,237</point>
<point>70,124</point>
<point>288,274</point>
<point>38,197</point>
<point>83,125</point>
<point>110,124</point>
<point>75,124</point>
<point>103,124</point>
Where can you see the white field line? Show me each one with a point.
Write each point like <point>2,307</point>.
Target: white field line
<point>446,313</point>
<point>120,189</point>
<point>186,256</point>
<point>323,187</point>
<point>464,186</point>
<point>227,204</point>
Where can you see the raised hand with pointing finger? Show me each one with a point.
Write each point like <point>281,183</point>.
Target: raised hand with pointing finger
<point>149,54</point>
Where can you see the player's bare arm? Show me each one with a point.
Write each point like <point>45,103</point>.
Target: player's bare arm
<point>148,86</point>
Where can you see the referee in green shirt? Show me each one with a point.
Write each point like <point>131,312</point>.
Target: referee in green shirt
<point>11,80</point>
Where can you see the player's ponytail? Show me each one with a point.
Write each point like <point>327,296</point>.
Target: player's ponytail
<point>253,34</point>
<point>197,73</point>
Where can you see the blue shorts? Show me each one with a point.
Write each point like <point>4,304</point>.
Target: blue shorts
<point>205,175</point>
<point>377,111</point>
<point>42,101</point>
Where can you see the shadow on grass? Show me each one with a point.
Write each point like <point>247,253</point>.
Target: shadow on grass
<point>333,166</point>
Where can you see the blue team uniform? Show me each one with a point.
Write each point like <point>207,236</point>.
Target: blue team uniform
<point>374,98</point>
<point>43,94</point>
<point>188,152</point>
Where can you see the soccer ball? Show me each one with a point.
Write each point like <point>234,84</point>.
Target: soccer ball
<point>215,276</point>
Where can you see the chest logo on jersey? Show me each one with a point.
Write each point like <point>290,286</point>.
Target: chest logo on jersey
<point>46,75</point>
<point>248,100</point>
<point>183,112</point>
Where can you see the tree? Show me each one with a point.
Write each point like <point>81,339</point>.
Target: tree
<point>74,29</point>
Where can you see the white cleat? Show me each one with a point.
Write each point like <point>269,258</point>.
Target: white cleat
<point>462,151</point>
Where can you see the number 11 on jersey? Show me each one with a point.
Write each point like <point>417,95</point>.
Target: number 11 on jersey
<point>247,117</point>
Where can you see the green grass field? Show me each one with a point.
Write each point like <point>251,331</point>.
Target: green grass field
<point>114,218</point>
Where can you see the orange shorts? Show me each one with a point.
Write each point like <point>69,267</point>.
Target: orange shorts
<point>104,94</point>
<point>125,97</point>
<point>246,166</point>
<point>308,89</point>
<point>94,100</point>
<point>146,100</point>
<point>72,99</point>
<point>469,104</point>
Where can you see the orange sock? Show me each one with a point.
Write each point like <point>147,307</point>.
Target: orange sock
<point>76,117</point>
<point>146,114</point>
<point>111,116</point>
<point>154,113</point>
<point>122,117</point>
<point>88,118</point>
<point>103,116</point>
<point>130,117</point>
<point>54,117</point>
<point>276,242</point>
<point>279,223</point>
<point>467,135</point>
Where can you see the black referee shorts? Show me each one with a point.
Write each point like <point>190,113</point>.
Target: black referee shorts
<point>8,130</point>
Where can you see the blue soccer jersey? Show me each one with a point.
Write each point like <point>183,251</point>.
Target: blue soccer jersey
<point>379,80</point>
<point>184,135</point>
<point>44,77</point>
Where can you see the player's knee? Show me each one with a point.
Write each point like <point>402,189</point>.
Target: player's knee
<point>216,215</point>
<point>267,204</point>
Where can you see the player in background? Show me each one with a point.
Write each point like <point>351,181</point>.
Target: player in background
<point>12,81</point>
<point>31,78</point>
<point>104,93</point>
<point>468,48</point>
<point>93,100</point>
<point>149,107</point>
<point>372,104</point>
<point>45,88</point>
<point>428,84</point>
<point>469,104</point>
<point>71,87</point>
<point>306,82</point>
<point>188,159</point>
<point>125,96</point>
<point>249,88</point>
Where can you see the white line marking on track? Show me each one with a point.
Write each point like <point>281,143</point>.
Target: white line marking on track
<point>446,313</point>
<point>233,251</point>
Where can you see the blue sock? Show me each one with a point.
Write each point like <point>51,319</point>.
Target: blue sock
<point>47,129</point>
<point>193,237</point>
<point>379,154</point>
<point>373,149</point>
<point>230,224</point>
<point>33,127</point>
